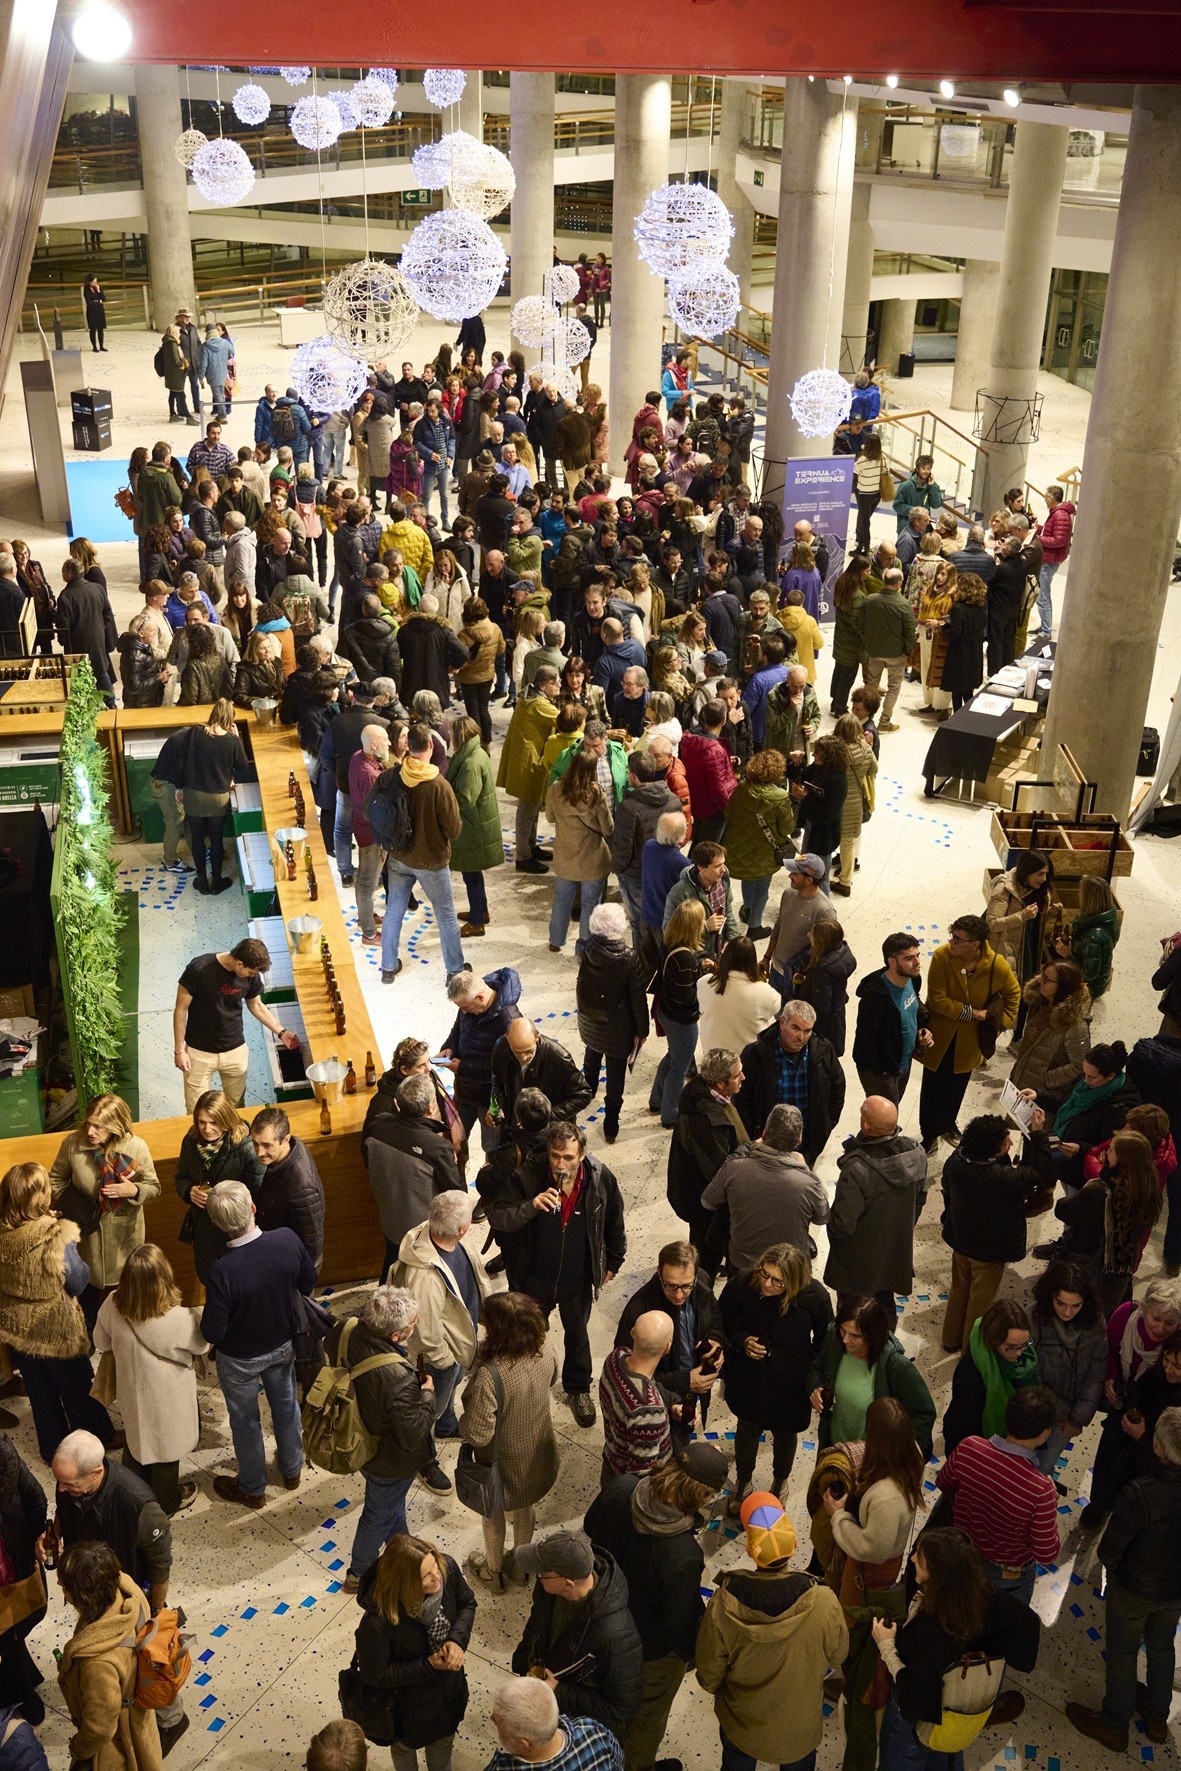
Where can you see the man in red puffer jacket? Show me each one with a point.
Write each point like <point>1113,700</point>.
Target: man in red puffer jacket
<point>709,770</point>
<point>1055,536</point>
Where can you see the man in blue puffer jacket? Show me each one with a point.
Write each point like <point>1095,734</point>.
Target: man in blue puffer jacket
<point>484,1008</point>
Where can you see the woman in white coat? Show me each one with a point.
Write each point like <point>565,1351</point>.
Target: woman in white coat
<point>154,1339</point>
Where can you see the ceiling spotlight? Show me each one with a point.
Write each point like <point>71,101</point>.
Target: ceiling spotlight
<point>891,81</point>
<point>947,88</point>
<point>101,34</point>
<point>1012,96</point>
<point>848,78</point>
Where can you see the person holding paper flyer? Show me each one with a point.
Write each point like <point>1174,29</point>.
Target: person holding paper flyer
<point>984,1194</point>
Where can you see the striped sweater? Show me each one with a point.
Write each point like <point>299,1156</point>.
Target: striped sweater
<point>1003,1502</point>
<point>635,1419</point>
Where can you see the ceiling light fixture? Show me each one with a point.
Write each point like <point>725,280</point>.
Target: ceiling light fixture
<point>947,88</point>
<point>101,34</point>
<point>1012,96</point>
<point>848,79</point>
<point>892,81</point>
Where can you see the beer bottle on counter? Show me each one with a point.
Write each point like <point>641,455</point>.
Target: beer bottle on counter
<point>350,1079</point>
<point>340,1020</point>
<point>370,1071</point>
<point>325,1120</point>
<point>291,785</point>
<point>313,885</point>
<point>290,859</point>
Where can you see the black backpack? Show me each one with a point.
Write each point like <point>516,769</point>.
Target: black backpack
<point>158,363</point>
<point>387,810</point>
<point>283,424</point>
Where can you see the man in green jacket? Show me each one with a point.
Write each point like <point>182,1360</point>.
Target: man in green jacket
<point>889,641</point>
<point>608,752</point>
<point>155,490</point>
<point>520,772</point>
<point>919,489</point>
<point>793,716</point>
<point>707,881</point>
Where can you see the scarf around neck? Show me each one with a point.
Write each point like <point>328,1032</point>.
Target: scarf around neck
<point>1082,1096</point>
<point>1000,1379</point>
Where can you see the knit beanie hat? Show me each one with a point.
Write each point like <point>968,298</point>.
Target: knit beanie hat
<point>769,1534</point>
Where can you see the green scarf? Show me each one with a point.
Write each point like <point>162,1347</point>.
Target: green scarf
<point>1081,1096</point>
<point>412,585</point>
<point>1000,1378</point>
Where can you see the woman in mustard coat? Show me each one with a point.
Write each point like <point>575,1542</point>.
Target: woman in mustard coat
<point>967,984</point>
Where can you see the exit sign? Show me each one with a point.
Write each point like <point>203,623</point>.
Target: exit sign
<point>416,199</point>
<point>758,176</point>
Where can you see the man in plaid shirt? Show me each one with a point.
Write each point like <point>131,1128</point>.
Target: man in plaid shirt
<point>525,1712</point>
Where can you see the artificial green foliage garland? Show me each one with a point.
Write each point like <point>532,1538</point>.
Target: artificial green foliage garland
<point>89,914</point>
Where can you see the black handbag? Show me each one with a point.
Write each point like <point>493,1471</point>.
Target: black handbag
<point>84,1209</point>
<point>375,1712</point>
<point>480,1486</point>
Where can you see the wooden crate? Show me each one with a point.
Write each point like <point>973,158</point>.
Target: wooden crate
<point>1066,844</point>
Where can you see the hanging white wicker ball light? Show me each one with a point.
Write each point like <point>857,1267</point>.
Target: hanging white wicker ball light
<point>222,172</point>
<point>326,377</point>
<point>350,111</point>
<point>571,342</point>
<point>454,264</point>
<point>704,300</point>
<point>388,75</point>
<point>820,400</point>
<point>374,101</point>
<point>251,104</point>
<point>682,225</point>
<point>457,158</point>
<point>563,378</point>
<point>315,122</point>
<point>560,283</point>
<point>368,307</point>
<point>186,145</point>
<point>443,86</point>
<point>532,317</point>
<point>296,76</point>
<point>492,191</point>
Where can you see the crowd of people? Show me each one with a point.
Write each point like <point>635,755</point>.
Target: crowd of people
<point>657,650</point>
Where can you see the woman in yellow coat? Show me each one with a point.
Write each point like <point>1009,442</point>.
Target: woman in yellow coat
<point>932,615</point>
<point>967,984</point>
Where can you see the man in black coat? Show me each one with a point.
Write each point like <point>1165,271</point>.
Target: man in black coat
<point>1003,603</point>
<point>12,601</point>
<point>891,1019</point>
<point>709,1127</point>
<point>369,643</point>
<point>591,1631</point>
<point>292,1193</point>
<point>693,1363</point>
<point>86,623</point>
<point>650,1525</point>
<point>985,1194</point>
<point>523,1058</point>
<point>430,651</point>
<point>792,1063</point>
<point>559,1222</point>
<point>647,798</point>
<point>410,1159</point>
<point>270,568</point>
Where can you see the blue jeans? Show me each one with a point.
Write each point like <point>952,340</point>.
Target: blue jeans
<point>1022,1585</point>
<point>436,887</point>
<point>342,834</point>
<point>337,443</point>
<point>632,895</point>
<point>899,1750</point>
<point>239,1385</point>
<point>1045,608</point>
<point>1130,1621</point>
<point>446,1377</point>
<point>1052,1450</point>
<point>477,897</point>
<point>734,1760</point>
<point>559,918</point>
<point>383,1516</point>
<point>436,474</point>
<point>673,1069</point>
<point>755,893</point>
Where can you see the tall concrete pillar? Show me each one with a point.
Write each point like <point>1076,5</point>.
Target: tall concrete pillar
<point>1027,257</point>
<point>1133,442</point>
<point>973,350</point>
<point>643,120</point>
<point>895,334</point>
<point>815,194</point>
<point>858,279</point>
<point>166,194</point>
<point>531,150</point>
<point>471,105</point>
<point>734,98</point>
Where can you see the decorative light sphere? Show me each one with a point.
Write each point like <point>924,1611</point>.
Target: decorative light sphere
<point>563,378</point>
<point>532,317</point>
<point>959,141</point>
<point>388,75</point>
<point>315,122</point>
<point>682,225</point>
<point>368,307</point>
<point>443,86</point>
<point>350,110</point>
<point>457,158</point>
<point>326,377</point>
<point>704,301</point>
<point>820,400</point>
<point>492,191</point>
<point>374,101</point>
<point>296,76</point>
<point>222,172</point>
<point>186,145</point>
<point>560,283</point>
<point>571,342</point>
<point>251,104</point>
<point>454,264</point>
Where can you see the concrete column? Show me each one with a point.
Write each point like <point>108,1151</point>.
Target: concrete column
<point>471,105</point>
<point>858,278</point>
<point>1133,442</point>
<point>734,100</point>
<point>1027,257</point>
<point>896,333</point>
<point>531,150</point>
<point>643,120</point>
<point>815,194</point>
<point>973,350</point>
<point>166,194</point>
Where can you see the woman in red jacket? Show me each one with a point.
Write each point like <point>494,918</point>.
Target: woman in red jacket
<point>1055,536</point>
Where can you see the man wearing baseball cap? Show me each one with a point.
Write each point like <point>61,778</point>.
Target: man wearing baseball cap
<point>650,1524</point>
<point>579,1636</point>
<point>802,904</point>
<point>767,1640</point>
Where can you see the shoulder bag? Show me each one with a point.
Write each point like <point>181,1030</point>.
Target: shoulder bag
<point>22,1600</point>
<point>83,1209</point>
<point>988,1031</point>
<point>887,486</point>
<point>478,1484</point>
<point>374,1710</point>
<point>781,851</point>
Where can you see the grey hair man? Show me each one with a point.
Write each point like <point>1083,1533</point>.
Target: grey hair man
<point>791,1063</point>
<point>533,1732</point>
<point>250,1318</point>
<point>771,1193</point>
<point>410,1159</point>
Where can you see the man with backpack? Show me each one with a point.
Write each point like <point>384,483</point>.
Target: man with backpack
<point>100,1501</point>
<point>421,857</point>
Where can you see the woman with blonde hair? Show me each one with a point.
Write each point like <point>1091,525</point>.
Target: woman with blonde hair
<point>934,610</point>
<point>103,1176</point>
<point>153,1339</point>
<point>583,822</point>
<point>448,581</point>
<point>963,666</point>
<point>42,1277</point>
<point>922,571</point>
<point>692,645</point>
<point>660,720</point>
<point>259,676</point>
<point>215,1148</point>
<point>411,1641</point>
<point>859,797</point>
<point>676,1006</point>
<point>530,625</point>
<point>506,1405</point>
<point>639,589</point>
<point>213,761</point>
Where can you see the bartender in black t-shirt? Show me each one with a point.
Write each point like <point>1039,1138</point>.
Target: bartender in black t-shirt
<point>207,1029</point>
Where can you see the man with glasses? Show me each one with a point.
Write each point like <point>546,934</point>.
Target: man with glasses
<point>967,985</point>
<point>693,1363</point>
